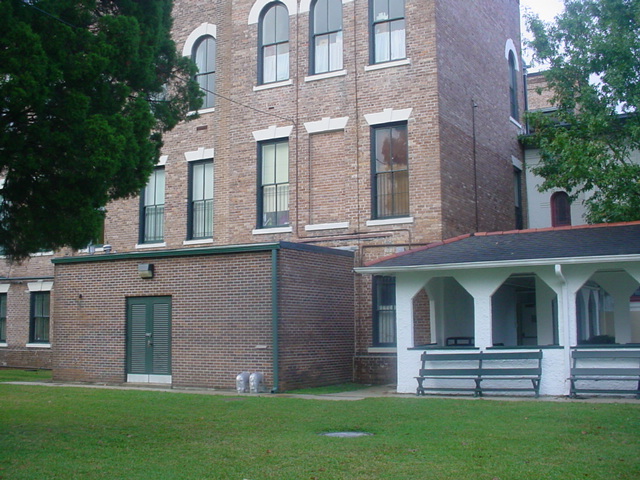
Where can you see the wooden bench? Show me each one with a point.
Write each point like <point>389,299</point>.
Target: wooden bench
<point>481,366</point>
<point>584,370</point>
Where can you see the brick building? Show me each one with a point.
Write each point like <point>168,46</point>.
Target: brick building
<point>329,126</point>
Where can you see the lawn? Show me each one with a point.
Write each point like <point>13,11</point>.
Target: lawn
<point>82,433</point>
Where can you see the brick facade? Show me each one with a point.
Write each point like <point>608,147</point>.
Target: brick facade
<point>460,163</point>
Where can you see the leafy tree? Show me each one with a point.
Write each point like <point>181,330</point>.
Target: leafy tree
<point>87,88</point>
<point>587,145</point>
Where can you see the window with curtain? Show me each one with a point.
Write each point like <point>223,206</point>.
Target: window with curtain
<point>390,168</point>
<point>204,56</point>
<point>274,44</point>
<point>152,208</point>
<point>326,36</point>
<point>273,204</point>
<point>200,216</point>
<point>388,30</point>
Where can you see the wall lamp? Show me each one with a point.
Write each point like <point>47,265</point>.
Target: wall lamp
<point>145,270</point>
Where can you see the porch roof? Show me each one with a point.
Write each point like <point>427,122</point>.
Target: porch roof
<point>583,244</point>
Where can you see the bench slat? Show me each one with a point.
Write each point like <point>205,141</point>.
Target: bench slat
<point>605,354</point>
<point>458,372</point>
<point>606,372</point>
<point>532,372</point>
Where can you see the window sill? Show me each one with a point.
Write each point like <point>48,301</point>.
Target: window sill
<point>268,86</point>
<point>267,231</point>
<point>3,344</point>
<point>199,241</point>
<point>322,76</point>
<point>382,350</point>
<point>380,66</point>
<point>201,112</point>
<point>389,221</point>
<point>38,345</point>
<point>326,226</point>
<point>151,245</point>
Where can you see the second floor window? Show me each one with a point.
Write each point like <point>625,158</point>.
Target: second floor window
<point>274,44</point>
<point>326,36</point>
<point>152,208</point>
<point>560,210</point>
<point>273,202</point>
<point>200,216</point>
<point>204,55</point>
<point>390,183</point>
<point>388,30</point>
<point>513,87</point>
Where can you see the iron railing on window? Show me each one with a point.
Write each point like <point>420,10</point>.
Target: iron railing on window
<point>202,219</point>
<point>153,223</point>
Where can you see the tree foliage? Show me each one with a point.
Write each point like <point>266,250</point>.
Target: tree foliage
<point>589,143</point>
<point>87,88</point>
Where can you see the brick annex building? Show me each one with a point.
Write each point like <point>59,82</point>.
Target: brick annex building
<point>334,132</point>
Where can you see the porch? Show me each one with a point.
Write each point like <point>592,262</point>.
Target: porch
<point>558,291</point>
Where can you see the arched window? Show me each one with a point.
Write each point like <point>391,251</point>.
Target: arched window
<point>274,44</point>
<point>560,209</point>
<point>513,86</point>
<point>204,55</point>
<point>326,36</point>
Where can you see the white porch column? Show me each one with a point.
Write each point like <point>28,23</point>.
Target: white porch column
<point>407,286</point>
<point>481,285</point>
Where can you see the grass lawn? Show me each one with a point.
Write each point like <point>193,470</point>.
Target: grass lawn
<point>83,433</point>
<point>20,375</point>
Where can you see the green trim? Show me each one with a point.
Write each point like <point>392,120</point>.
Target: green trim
<point>183,252</point>
<point>274,320</point>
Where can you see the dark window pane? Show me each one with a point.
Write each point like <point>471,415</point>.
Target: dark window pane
<point>320,17</point>
<point>335,15</point>
<point>282,24</point>
<point>396,8</point>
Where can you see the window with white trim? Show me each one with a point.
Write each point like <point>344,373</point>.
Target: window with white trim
<point>384,311</point>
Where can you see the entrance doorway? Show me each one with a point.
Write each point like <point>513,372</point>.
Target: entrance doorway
<point>149,340</point>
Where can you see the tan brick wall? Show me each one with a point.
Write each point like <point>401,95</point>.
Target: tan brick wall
<point>539,96</point>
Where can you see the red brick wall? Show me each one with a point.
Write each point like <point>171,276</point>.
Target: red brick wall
<point>316,318</point>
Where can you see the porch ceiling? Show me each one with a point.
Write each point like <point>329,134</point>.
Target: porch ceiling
<point>585,244</point>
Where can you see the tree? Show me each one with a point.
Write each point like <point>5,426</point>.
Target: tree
<point>593,53</point>
<point>87,88</point>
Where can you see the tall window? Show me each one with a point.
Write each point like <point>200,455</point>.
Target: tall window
<point>513,86</point>
<point>517,187</point>
<point>274,44</point>
<point>3,317</point>
<point>273,203</point>
<point>152,209</point>
<point>387,30</point>
<point>326,36</point>
<point>201,199</point>
<point>39,327</point>
<point>560,210</point>
<point>384,311</point>
<point>204,55</point>
<point>390,184</point>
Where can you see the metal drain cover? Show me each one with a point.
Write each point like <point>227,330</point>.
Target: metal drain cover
<point>347,434</point>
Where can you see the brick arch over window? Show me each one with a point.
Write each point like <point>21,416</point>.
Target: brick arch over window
<point>259,5</point>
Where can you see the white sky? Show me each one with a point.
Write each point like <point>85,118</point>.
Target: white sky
<point>546,10</point>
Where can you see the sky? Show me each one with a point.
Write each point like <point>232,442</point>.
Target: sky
<point>545,9</point>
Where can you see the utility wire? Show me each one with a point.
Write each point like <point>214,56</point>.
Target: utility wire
<point>58,19</point>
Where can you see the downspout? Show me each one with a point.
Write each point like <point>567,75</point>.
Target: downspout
<point>274,319</point>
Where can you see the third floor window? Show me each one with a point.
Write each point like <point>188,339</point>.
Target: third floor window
<point>204,55</point>
<point>387,31</point>
<point>274,44</point>
<point>326,52</point>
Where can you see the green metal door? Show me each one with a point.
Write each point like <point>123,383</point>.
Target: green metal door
<point>149,339</point>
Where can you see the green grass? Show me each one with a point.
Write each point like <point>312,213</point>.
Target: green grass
<point>83,433</point>
<point>20,375</point>
<point>339,388</point>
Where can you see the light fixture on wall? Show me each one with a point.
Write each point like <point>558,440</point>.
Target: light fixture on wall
<point>145,270</point>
